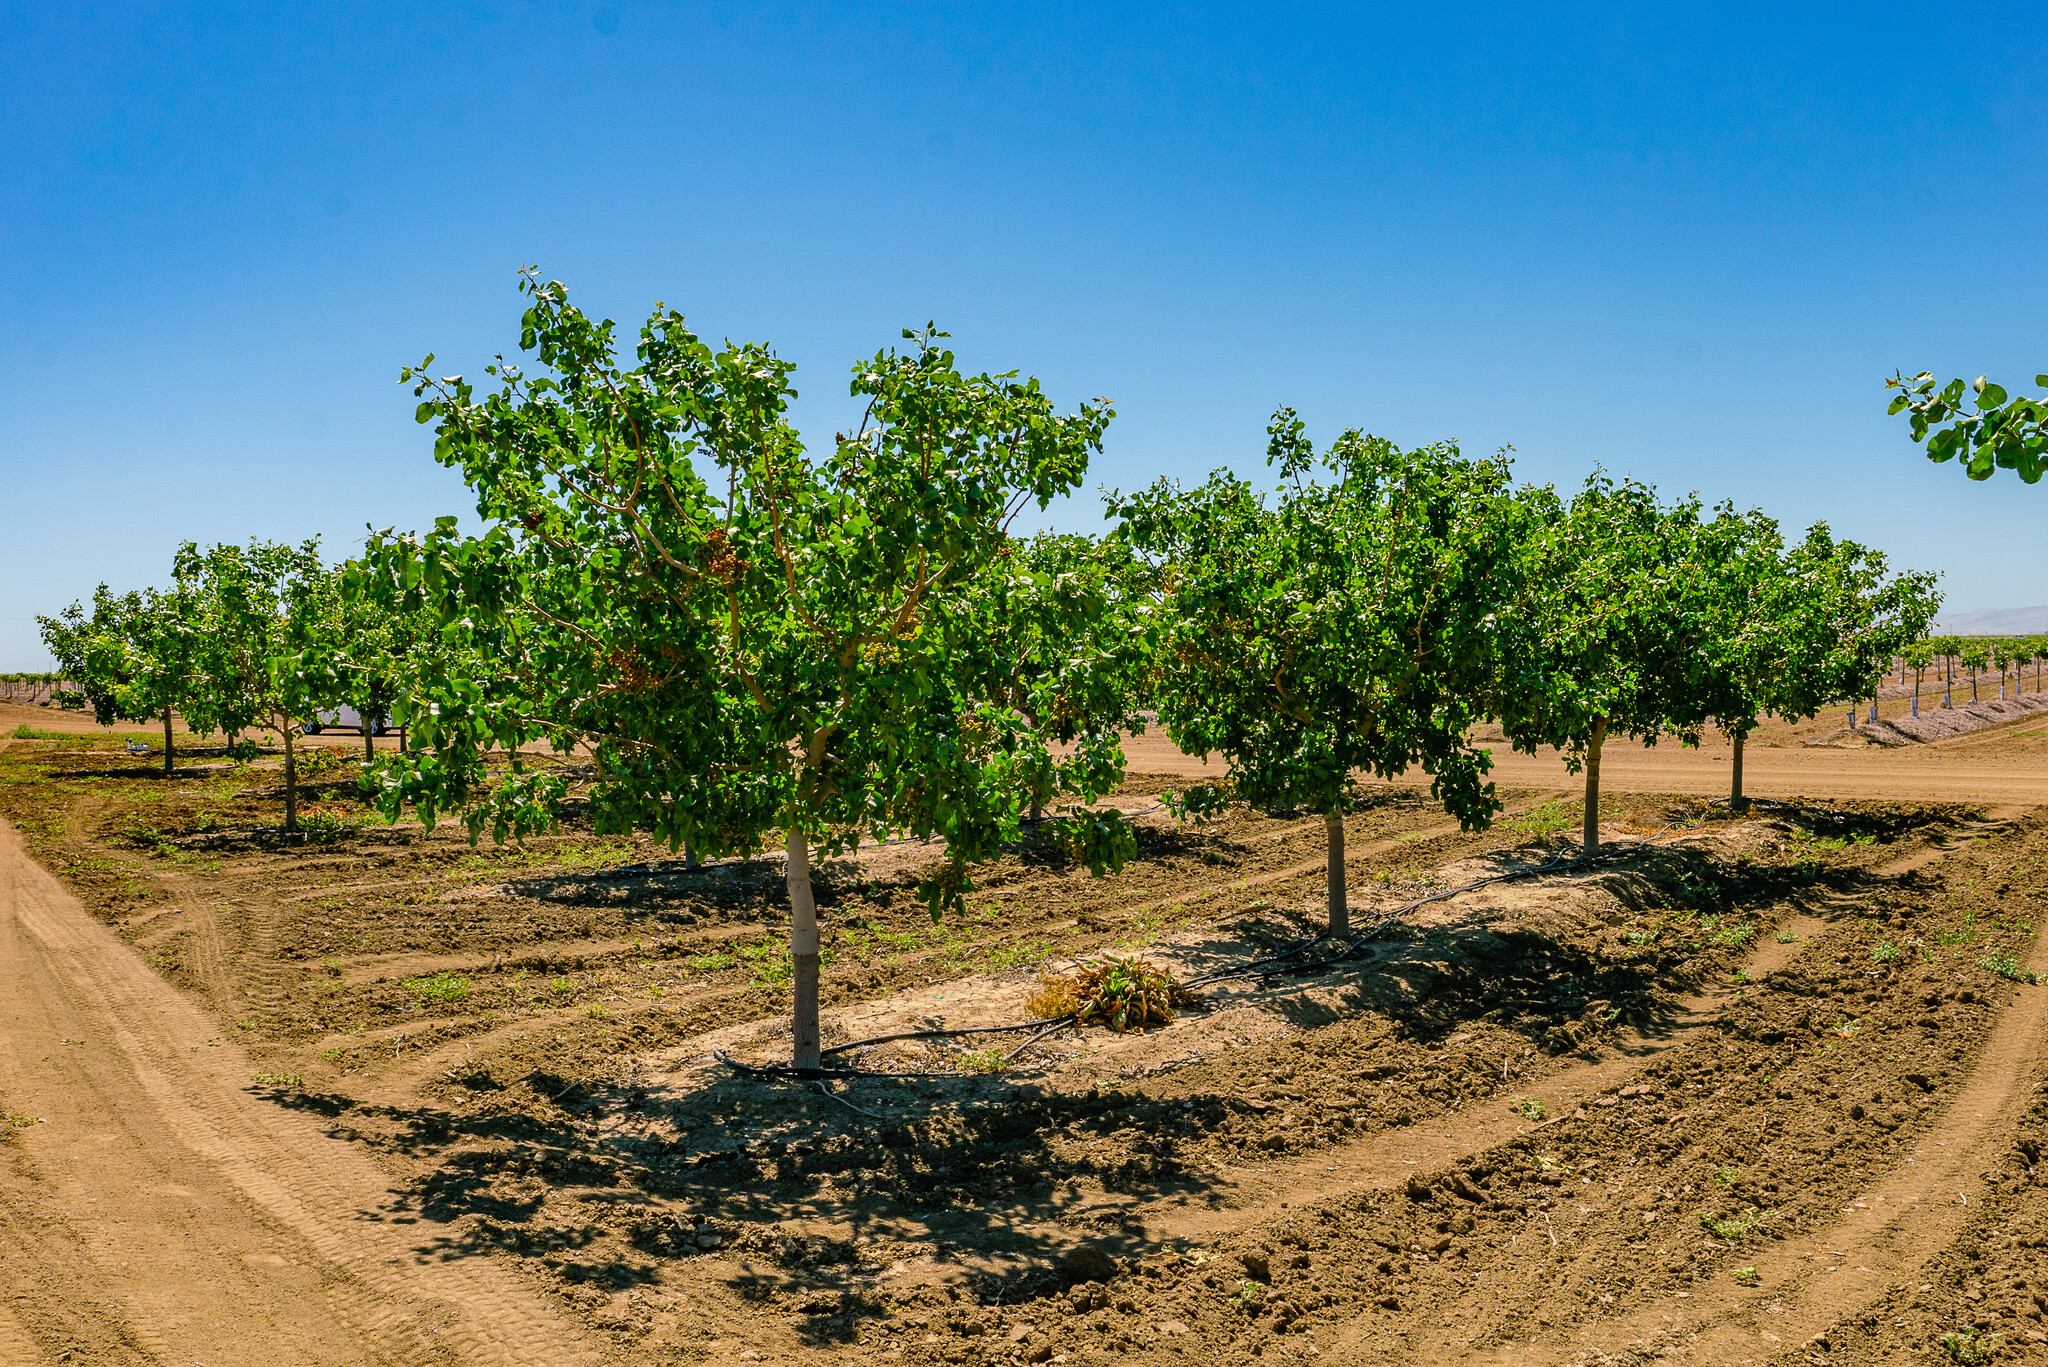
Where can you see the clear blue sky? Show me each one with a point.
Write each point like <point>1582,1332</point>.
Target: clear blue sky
<point>1685,242</point>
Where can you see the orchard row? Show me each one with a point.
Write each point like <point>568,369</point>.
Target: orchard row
<point>753,642</point>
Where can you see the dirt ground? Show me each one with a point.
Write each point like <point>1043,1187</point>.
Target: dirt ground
<point>1765,1089</point>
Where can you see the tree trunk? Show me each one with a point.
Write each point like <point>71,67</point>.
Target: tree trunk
<point>291,780</point>
<point>1735,799</point>
<point>369,747</point>
<point>167,742</point>
<point>1340,902</point>
<point>690,858</point>
<point>803,951</point>
<point>1973,685</point>
<point>1589,841</point>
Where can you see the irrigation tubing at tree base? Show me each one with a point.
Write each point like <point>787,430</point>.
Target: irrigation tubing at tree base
<point>1273,966</point>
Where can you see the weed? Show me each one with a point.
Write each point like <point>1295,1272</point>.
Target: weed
<point>1967,1345</point>
<point>981,1061</point>
<point>1746,1276</point>
<point>1725,1176</point>
<point>22,1122</point>
<point>1125,993</point>
<point>245,1024</point>
<point>1640,937</point>
<point>1733,936</point>
<point>1548,819</point>
<point>1528,1107</point>
<point>281,1080</point>
<point>596,1011</point>
<point>710,963</point>
<point>2006,966</point>
<point>1023,954</point>
<point>1051,997</point>
<point>562,987</point>
<point>1733,1227</point>
<point>1248,1296</point>
<point>1885,953</point>
<point>332,1054</point>
<point>442,987</point>
<point>1849,1029</point>
<point>1962,934</point>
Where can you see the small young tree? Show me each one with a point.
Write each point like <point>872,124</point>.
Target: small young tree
<point>1974,656</point>
<point>1948,652</point>
<point>1919,654</point>
<point>1350,623</point>
<point>259,606</point>
<point>801,647</point>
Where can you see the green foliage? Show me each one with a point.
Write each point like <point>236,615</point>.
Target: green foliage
<point>1344,625</point>
<point>1968,1345</point>
<point>2006,966</point>
<point>981,1060</point>
<point>134,657</point>
<point>1124,993</point>
<point>1350,622</point>
<point>440,989</point>
<point>1617,604</point>
<point>1995,432</point>
<point>818,647</point>
<point>1792,631</point>
<point>1528,1107</point>
<point>259,609</point>
<point>1734,1227</point>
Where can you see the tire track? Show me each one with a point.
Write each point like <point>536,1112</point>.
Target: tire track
<point>1811,1282</point>
<point>177,1178</point>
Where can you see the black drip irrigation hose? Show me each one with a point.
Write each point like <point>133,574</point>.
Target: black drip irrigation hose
<point>945,1034</point>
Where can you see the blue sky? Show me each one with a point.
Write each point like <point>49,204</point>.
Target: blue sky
<point>1685,245</point>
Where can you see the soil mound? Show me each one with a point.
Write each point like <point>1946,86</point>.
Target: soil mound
<point>1937,723</point>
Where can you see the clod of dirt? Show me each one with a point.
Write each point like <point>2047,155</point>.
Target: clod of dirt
<point>1087,1264</point>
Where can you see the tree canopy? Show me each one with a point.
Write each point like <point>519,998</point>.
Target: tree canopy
<point>750,640</point>
<point>1346,623</point>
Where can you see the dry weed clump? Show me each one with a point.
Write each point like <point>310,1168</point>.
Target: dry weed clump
<point>1122,993</point>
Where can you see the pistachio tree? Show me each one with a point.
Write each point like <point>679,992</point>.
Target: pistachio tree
<point>1344,624</point>
<point>753,642</point>
<point>132,658</point>
<point>1068,617</point>
<point>1616,604</point>
<point>257,607</point>
<point>1800,628</point>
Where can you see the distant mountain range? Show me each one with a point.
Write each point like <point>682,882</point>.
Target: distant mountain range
<point>1996,622</point>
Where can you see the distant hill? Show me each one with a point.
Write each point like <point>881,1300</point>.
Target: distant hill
<point>1996,622</point>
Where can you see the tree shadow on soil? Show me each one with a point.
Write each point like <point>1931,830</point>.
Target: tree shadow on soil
<point>810,1197</point>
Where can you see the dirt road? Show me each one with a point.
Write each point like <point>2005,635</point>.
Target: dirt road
<point>160,1207</point>
<point>2003,764</point>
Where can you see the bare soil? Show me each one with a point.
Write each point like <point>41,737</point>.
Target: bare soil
<point>1759,1088</point>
